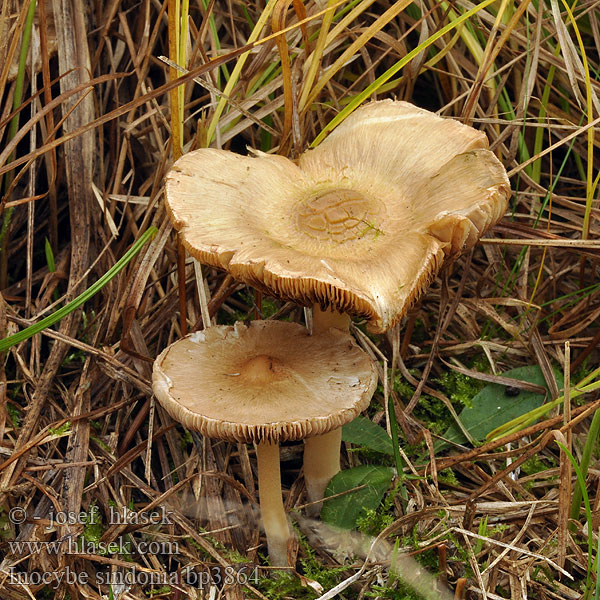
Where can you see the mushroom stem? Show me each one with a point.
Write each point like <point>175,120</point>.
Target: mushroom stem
<point>321,463</point>
<point>271,503</point>
<point>324,320</point>
<point>322,453</point>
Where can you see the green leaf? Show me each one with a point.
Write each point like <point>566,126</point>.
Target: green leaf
<point>345,510</point>
<point>492,406</point>
<point>363,432</point>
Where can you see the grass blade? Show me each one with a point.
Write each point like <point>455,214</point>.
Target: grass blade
<point>30,331</point>
<point>359,98</point>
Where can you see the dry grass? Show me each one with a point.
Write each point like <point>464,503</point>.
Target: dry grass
<point>84,170</point>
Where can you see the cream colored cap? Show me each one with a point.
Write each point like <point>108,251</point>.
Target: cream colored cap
<point>362,224</point>
<point>266,382</point>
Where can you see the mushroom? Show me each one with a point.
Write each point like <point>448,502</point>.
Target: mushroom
<point>360,225</point>
<point>265,383</point>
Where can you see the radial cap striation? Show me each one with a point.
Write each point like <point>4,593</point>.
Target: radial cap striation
<point>266,382</point>
<point>362,223</point>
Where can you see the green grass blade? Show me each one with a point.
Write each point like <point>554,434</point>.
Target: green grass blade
<point>590,443</point>
<point>237,70</point>
<point>49,256</point>
<point>597,594</point>
<point>14,123</point>
<point>19,82</point>
<point>590,133</point>
<point>394,431</point>
<point>30,331</point>
<point>588,510</point>
<point>359,98</point>
<point>514,425</point>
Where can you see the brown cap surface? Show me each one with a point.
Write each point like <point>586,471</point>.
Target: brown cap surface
<point>266,382</point>
<point>363,223</point>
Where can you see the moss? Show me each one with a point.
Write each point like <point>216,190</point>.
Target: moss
<point>48,593</point>
<point>93,528</point>
<point>434,414</point>
<point>281,585</point>
<point>232,555</point>
<point>62,430</point>
<point>74,359</point>
<point>534,465</point>
<point>395,591</point>
<point>6,532</point>
<point>284,585</point>
<point>374,521</point>
<point>328,577</point>
<point>268,308</point>
<point>420,332</point>
<point>402,388</point>
<point>460,388</point>
<point>186,440</point>
<point>165,589</point>
<point>429,559</point>
<point>15,415</point>
<point>448,477</point>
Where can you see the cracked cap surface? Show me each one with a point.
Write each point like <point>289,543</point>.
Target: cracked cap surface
<point>362,223</point>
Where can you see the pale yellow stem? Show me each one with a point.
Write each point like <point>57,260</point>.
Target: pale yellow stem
<point>321,463</point>
<point>271,503</point>
<point>322,453</point>
<point>325,319</point>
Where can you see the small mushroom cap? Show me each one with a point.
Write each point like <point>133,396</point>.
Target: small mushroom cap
<point>362,223</point>
<point>266,382</point>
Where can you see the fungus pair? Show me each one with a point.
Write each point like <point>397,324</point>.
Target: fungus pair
<point>358,226</point>
<point>265,383</point>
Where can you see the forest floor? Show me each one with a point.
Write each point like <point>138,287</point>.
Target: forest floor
<point>121,501</point>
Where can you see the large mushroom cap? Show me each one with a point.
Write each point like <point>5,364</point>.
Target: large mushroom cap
<point>267,382</point>
<point>363,223</point>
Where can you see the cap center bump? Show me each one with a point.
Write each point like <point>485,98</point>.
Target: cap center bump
<point>339,216</point>
<point>261,369</point>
